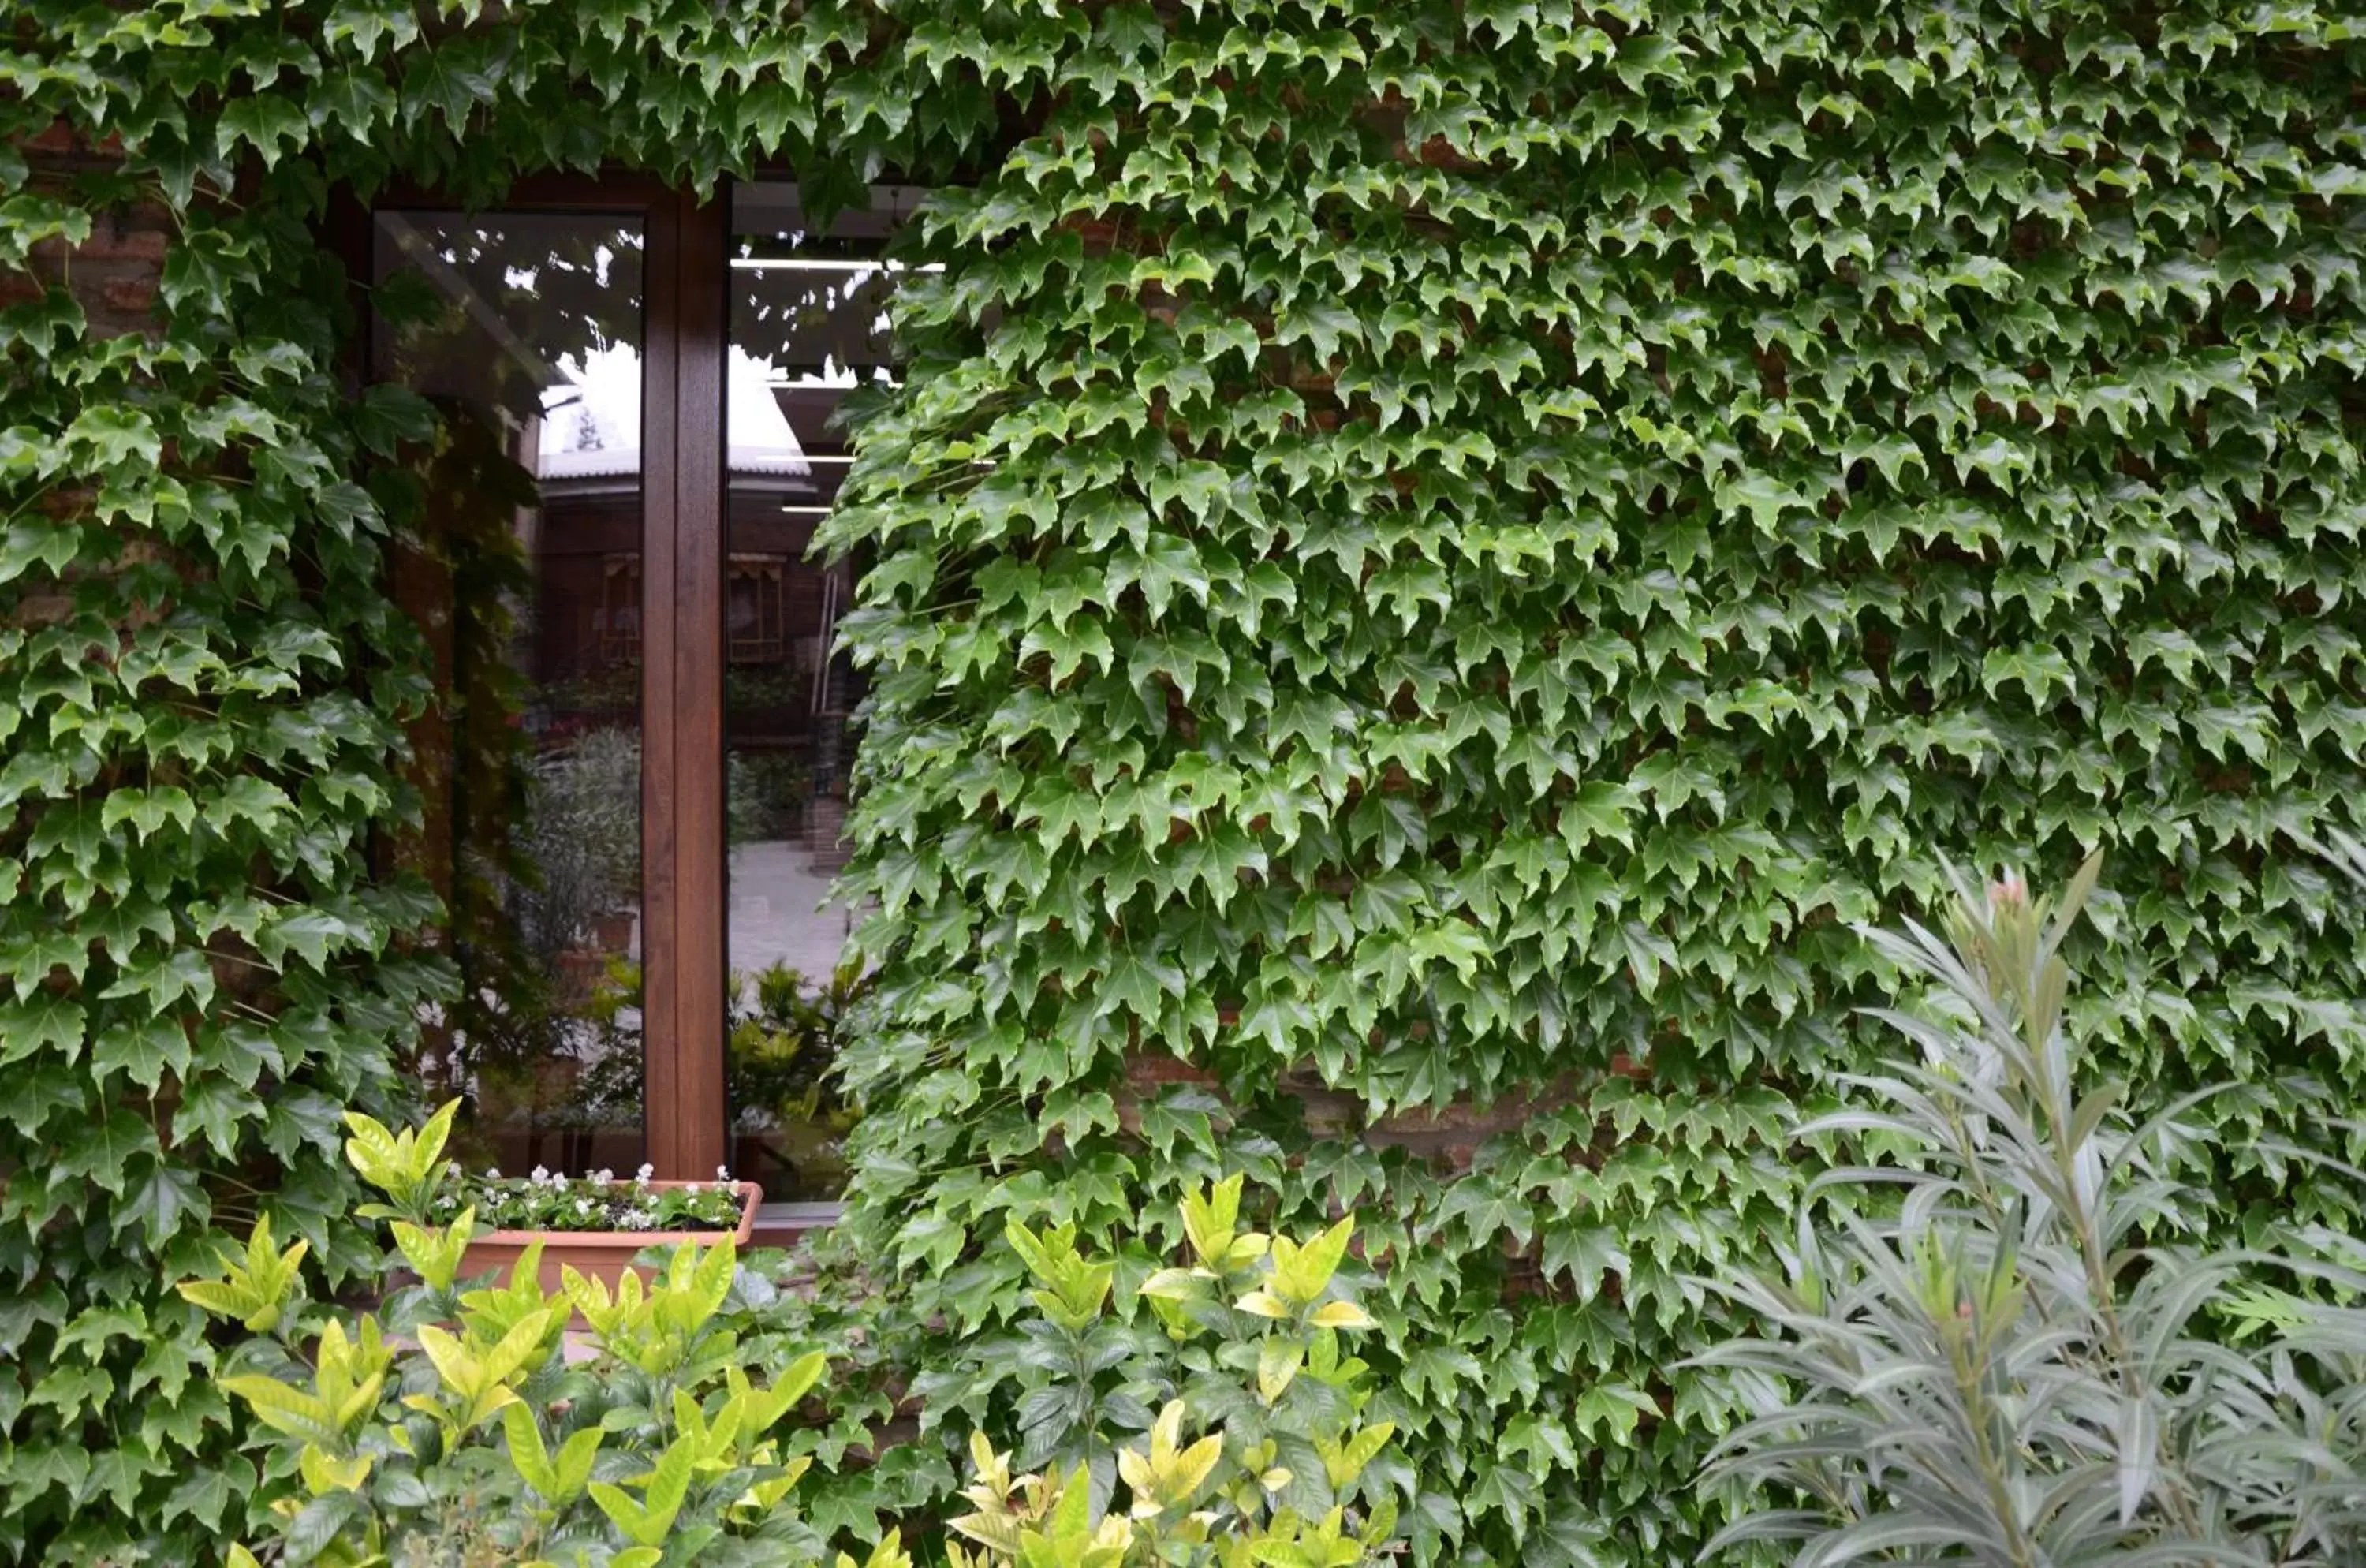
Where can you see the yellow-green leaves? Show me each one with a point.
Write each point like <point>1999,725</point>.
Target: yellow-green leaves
<point>887,1553</point>
<point>1209,1221</point>
<point>1344,1458</point>
<point>406,1165</point>
<point>1221,1253</point>
<point>348,1374</point>
<point>648,1518</point>
<point>478,1378</point>
<point>434,1255</point>
<point>1230,1491</point>
<point>257,1289</point>
<point>1168,1475</point>
<point>1300,1276</point>
<point>1279,1358</point>
<point>678,1443</point>
<point>654,1328</point>
<point>1069,1287</point>
<point>559,1479</point>
<point>324,1473</point>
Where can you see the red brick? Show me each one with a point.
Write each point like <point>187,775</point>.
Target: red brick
<point>1148,1069</point>
<point>133,294</point>
<point>111,239</point>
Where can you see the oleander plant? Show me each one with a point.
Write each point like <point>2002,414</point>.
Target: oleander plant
<point>2037,1353</point>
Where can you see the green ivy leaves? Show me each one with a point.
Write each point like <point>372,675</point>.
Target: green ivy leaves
<point>1428,551</point>
<point>1663,475</point>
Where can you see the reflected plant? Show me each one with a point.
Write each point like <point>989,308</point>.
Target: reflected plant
<point>764,793</point>
<point>781,1068</point>
<point>783,1044</point>
<point>581,838</point>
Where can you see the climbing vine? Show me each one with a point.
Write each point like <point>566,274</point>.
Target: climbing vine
<point>1431,560</point>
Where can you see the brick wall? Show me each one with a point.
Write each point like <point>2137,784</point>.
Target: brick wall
<point>115,273</point>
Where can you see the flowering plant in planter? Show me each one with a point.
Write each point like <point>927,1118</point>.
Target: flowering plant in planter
<point>592,1224</point>
<point>456,1426</point>
<point>600,1201</point>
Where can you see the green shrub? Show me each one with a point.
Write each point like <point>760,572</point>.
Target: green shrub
<point>1282,1473</point>
<point>2036,1361</point>
<point>456,1425</point>
<point>459,1425</point>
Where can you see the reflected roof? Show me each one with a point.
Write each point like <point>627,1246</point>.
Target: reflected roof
<point>591,421</point>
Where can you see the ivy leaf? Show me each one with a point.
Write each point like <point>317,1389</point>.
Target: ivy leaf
<point>449,82</point>
<point>350,101</point>
<point>1325,326</point>
<point>1163,565</point>
<point>164,1199</point>
<point>1138,981</point>
<point>1069,646</point>
<point>1486,1213</point>
<point>366,25</point>
<point>262,121</point>
<point>1609,1412</point>
<point>167,979</point>
<point>311,934</point>
<point>144,1050</point>
<point>47,1020</point>
<point>37,542</point>
<point>103,1151</point>
<point>387,416</point>
<point>1598,810</point>
<point>1767,500</point>
<point>1587,1253</point>
<point>114,435</point>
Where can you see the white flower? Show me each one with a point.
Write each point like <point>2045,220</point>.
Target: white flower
<point>641,1177</point>
<point>452,1168</point>
<point>492,1173</point>
<point>540,1176</point>
<point>559,1182</point>
<point>583,1206</point>
<point>691,1189</point>
<point>722,1173</point>
<point>603,1176</point>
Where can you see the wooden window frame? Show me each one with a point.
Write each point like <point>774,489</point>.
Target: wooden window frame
<point>684,324</point>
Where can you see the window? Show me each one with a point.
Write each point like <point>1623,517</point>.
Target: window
<point>635,775</point>
<point>807,331</point>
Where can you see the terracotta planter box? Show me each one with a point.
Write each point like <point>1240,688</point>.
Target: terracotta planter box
<point>601,1255</point>
<point>614,932</point>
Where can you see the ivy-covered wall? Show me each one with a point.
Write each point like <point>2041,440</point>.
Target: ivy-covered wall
<point>1432,559</point>
<point>1507,530</point>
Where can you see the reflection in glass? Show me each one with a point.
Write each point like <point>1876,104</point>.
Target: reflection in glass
<point>526,331</point>
<point>809,329</point>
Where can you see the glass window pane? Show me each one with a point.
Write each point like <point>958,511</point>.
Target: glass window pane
<point>526,330</point>
<point>808,329</point>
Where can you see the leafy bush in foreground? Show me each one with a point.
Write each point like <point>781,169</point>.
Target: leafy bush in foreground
<point>461,1425</point>
<point>1283,1476</point>
<point>2020,1366</point>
